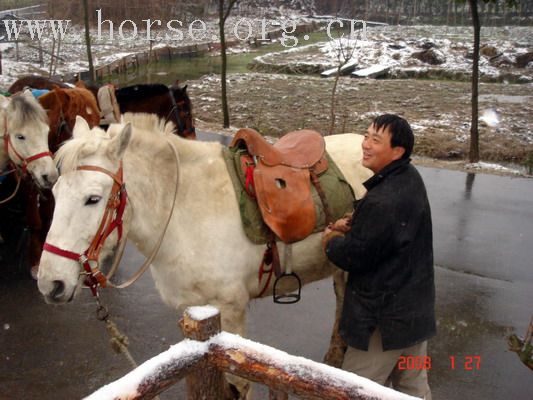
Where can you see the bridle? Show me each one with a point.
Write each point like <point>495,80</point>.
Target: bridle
<point>111,220</point>
<point>24,161</point>
<point>182,127</point>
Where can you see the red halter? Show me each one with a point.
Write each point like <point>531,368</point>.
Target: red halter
<point>25,161</point>
<point>111,219</point>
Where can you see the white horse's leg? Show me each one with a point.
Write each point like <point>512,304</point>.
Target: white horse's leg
<point>337,347</point>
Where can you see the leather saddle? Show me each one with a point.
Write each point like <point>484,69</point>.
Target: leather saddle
<point>282,178</point>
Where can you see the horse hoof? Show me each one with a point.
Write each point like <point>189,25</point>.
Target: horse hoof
<point>34,271</point>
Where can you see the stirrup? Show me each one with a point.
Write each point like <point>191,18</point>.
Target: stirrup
<point>287,298</point>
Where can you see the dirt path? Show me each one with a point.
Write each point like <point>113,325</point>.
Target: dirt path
<point>439,111</point>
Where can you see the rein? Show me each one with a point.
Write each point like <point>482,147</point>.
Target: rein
<point>62,120</point>
<point>175,110</point>
<point>17,177</point>
<point>111,220</point>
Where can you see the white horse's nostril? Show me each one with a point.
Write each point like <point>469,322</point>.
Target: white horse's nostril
<point>58,290</point>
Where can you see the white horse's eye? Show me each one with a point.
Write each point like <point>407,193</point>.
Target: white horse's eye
<point>92,200</point>
<point>20,137</point>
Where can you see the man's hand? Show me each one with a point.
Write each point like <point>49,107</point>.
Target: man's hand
<point>328,234</point>
<point>342,225</point>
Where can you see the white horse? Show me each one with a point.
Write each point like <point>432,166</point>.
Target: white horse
<point>205,257</point>
<point>25,138</point>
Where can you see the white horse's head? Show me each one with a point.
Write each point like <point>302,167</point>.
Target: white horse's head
<point>81,198</point>
<point>25,131</point>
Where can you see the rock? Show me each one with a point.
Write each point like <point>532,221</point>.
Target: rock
<point>501,60</point>
<point>488,51</point>
<point>427,45</point>
<point>524,59</point>
<point>430,56</point>
<point>397,46</point>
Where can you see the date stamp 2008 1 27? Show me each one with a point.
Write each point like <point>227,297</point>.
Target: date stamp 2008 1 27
<point>467,363</point>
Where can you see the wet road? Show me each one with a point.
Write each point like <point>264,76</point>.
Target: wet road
<point>482,226</point>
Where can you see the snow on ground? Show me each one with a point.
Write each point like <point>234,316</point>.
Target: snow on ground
<point>107,47</point>
<point>394,46</point>
<point>489,166</point>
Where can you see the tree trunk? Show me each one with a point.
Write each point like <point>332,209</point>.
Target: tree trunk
<point>88,40</point>
<point>224,98</point>
<point>474,132</point>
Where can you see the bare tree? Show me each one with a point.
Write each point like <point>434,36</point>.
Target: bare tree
<point>88,40</point>
<point>474,128</point>
<point>224,10</point>
<point>343,57</point>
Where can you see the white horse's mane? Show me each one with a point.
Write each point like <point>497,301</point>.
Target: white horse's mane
<point>25,108</point>
<point>149,122</point>
<point>146,128</point>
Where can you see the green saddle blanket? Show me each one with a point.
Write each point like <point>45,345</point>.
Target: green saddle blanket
<point>339,194</point>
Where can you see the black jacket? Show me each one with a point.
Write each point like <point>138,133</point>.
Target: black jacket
<point>389,256</point>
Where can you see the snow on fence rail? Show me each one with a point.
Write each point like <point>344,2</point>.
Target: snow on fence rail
<point>206,353</point>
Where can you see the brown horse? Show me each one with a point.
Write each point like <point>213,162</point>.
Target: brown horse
<point>62,107</point>
<point>36,82</point>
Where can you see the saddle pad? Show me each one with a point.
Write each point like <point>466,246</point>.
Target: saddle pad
<point>338,192</point>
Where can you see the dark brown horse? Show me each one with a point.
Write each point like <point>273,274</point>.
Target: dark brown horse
<point>170,103</point>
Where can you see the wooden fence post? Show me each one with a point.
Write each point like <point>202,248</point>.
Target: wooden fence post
<point>206,382</point>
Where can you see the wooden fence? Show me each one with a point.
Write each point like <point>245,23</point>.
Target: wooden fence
<point>206,354</point>
<point>133,61</point>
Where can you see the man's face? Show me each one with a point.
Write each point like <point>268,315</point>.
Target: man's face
<point>377,150</point>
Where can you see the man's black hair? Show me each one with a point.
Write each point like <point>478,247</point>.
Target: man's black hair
<point>400,130</point>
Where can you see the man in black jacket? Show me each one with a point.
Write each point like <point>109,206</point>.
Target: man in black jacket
<point>387,250</point>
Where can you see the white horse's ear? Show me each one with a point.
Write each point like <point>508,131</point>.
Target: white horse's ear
<point>80,127</point>
<point>4,102</point>
<point>28,94</point>
<point>119,143</point>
